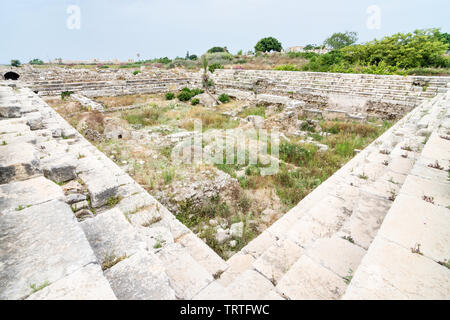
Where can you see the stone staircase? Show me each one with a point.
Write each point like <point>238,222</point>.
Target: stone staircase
<point>317,88</point>
<point>73,225</point>
<point>46,253</point>
<point>327,241</point>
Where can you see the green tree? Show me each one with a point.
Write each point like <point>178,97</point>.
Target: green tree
<point>36,61</point>
<point>340,40</point>
<point>421,48</point>
<point>445,38</point>
<point>216,49</point>
<point>268,44</point>
<point>15,63</point>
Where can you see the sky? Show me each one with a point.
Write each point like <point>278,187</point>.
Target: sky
<point>119,29</point>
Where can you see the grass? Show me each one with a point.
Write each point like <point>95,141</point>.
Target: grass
<point>305,167</point>
<point>209,118</point>
<point>168,175</point>
<point>113,201</point>
<point>111,260</point>
<point>253,111</point>
<point>348,278</point>
<point>147,116</point>
<point>35,288</point>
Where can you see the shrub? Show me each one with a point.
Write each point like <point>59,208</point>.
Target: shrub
<point>186,94</point>
<point>340,40</point>
<point>36,62</point>
<point>215,66</point>
<point>136,72</point>
<point>65,94</point>
<point>422,48</point>
<point>15,63</point>
<point>216,49</point>
<point>170,96</point>
<point>195,101</point>
<point>224,98</point>
<point>286,67</point>
<point>268,44</point>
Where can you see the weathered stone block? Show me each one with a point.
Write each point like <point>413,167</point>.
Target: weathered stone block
<point>140,277</point>
<point>40,244</point>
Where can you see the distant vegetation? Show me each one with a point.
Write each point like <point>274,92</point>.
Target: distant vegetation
<point>422,52</point>
<point>340,40</point>
<point>15,63</point>
<point>36,62</point>
<point>401,53</point>
<point>268,44</point>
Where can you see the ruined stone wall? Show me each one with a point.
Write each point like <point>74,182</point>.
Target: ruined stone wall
<point>378,95</point>
<point>103,82</point>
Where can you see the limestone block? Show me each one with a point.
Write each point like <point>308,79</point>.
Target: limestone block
<point>111,235</point>
<point>336,254</point>
<point>88,283</point>
<point>419,187</point>
<point>139,201</point>
<point>214,291</point>
<point>39,245</point>
<point>277,260</point>
<point>74,198</point>
<point>257,246</point>
<point>10,110</point>
<point>237,230</point>
<point>35,121</point>
<point>237,264</point>
<point>186,276</point>
<point>308,280</point>
<point>18,162</point>
<point>101,186</point>
<point>413,221</point>
<point>21,194</point>
<point>366,219</point>
<point>144,217</point>
<point>250,285</point>
<point>389,271</point>
<point>60,169</point>
<point>306,230</point>
<point>156,237</point>
<point>203,254</point>
<point>140,277</point>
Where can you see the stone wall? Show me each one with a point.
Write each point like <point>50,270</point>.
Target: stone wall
<point>357,95</point>
<point>385,96</point>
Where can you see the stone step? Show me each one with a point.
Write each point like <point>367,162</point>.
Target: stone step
<point>187,277</point>
<point>39,246</point>
<point>112,237</point>
<point>16,196</point>
<point>140,277</point>
<point>18,161</point>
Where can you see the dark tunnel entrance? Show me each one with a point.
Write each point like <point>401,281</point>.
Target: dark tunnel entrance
<point>11,76</point>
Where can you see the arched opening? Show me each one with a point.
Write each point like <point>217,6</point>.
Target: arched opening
<point>11,75</point>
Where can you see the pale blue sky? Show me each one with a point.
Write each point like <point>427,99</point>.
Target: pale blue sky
<point>154,28</point>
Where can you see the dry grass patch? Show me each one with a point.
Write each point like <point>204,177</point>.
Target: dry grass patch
<point>210,119</point>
